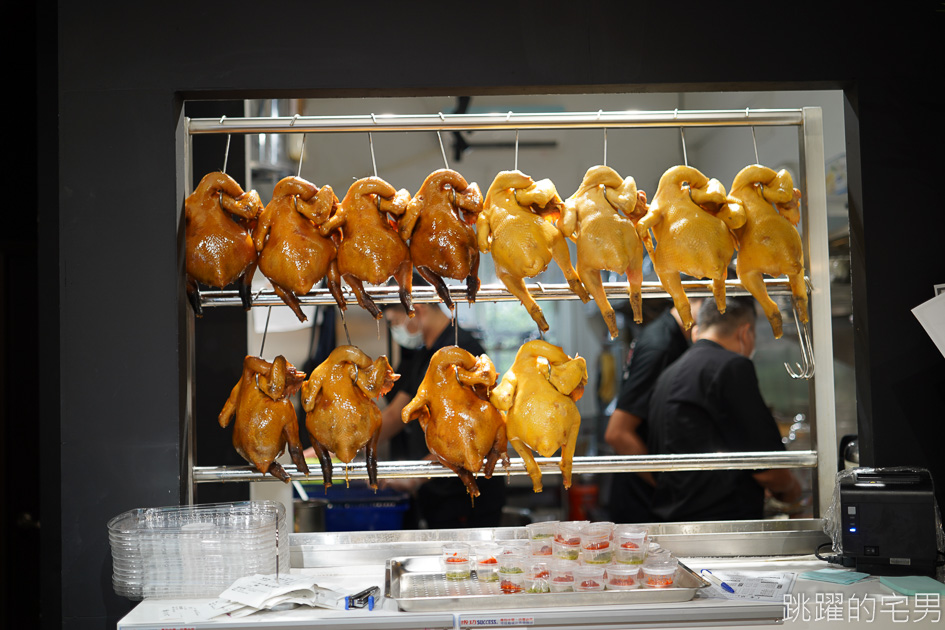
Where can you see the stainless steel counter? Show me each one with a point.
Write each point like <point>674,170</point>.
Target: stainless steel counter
<point>718,539</point>
<point>351,561</point>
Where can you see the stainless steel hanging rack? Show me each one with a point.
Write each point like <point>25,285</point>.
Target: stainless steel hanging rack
<point>548,465</point>
<point>814,218</point>
<point>498,120</point>
<point>489,293</point>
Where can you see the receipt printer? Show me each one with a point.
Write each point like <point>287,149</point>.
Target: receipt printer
<point>887,520</point>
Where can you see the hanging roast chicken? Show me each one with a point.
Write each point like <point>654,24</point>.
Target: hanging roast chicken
<point>293,254</point>
<point>692,218</point>
<point>600,218</point>
<point>340,413</point>
<point>218,220</point>
<point>461,425</point>
<point>265,418</point>
<point>371,249</point>
<point>538,395</point>
<point>438,221</point>
<point>517,225</point>
<point>769,242</point>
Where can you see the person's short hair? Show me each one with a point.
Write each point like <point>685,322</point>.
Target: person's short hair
<point>738,310</point>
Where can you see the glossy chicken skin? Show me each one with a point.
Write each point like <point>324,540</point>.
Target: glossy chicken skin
<point>371,249</point>
<point>538,395</point>
<point>265,418</point>
<point>600,218</point>
<point>293,254</point>
<point>517,225</point>
<point>769,242</point>
<point>438,221</point>
<point>692,218</point>
<point>461,425</point>
<point>218,220</point>
<point>340,413</point>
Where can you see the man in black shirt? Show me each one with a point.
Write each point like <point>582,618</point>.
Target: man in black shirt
<point>442,502</point>
<point>660,343</point>
<point>708,401</point>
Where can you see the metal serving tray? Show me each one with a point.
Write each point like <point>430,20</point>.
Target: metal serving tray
<point>418,584</point>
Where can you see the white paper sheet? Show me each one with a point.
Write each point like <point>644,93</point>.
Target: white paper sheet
<point>756,586</point>
<point>931,315</point>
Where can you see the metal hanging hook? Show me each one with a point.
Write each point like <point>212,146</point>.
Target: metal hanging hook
<point>371,142</point>
<point>439,136</point>
<point>682,138</point>
<point>754,140</point>
<point>516,149</point>
<point>226,153</point>
<point>805,371</point>
<point>265,332</point>
<point>301,155</point>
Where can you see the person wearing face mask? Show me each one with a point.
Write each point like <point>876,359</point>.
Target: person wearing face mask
<point>708,401</point>
<point>440,502</point>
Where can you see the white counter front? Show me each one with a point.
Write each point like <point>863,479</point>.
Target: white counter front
<point>810,604</point>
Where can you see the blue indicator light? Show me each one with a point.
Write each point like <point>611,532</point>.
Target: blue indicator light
<point>852,530</point>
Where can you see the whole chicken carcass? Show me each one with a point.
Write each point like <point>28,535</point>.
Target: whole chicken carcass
<point>371,249</point>
<point>769,242</point>
<point>438,221</point>
<point>340,413</point>
<point>218,220</point>
<point>692,219</point>
<point>517,225</point>
<point>600,218</point>
<point>538,395</point>
<point>461,425</point>
<point>293,254</point>
<point>265,418</point>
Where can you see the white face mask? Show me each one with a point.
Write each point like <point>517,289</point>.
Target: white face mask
<point>405,338</point>
<point>742,344</point>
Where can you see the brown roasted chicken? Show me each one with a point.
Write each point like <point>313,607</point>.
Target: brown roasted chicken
<point>600,218</point>
<point>371,249</point>
<point>517,225</point>
<point>692,219</point>
<point>538,395</point>
<point>293,254</point>
<point>218,221</point>
<point>340,413</point>
<point>461,425</point>
<point>769,242</point>
<point>438,221</point>
<point>265,418</point>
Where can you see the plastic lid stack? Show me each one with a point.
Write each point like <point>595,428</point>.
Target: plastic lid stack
<point>197,550</point>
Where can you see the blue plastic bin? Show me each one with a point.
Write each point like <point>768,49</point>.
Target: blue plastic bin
<point>359,508</point>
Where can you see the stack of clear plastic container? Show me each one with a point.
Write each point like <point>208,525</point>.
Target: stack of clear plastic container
<point>196,550</point>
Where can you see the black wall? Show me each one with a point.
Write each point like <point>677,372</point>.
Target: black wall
<point>110,273</point>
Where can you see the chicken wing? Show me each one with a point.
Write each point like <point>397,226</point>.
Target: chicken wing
<point>517,226</point>
<point>769,242</point>
<point>265,418</point>
<point>438,221</point>
<point>600,218</point>
<point>538,395</point>
<point>371,249</point>
<point>692,219</point>
<point>218,220</point>
<point>340,413</point>
<point>461,425</point>
<point>293,254</point>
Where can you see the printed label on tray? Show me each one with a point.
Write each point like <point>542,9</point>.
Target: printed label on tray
<point>508,620</point>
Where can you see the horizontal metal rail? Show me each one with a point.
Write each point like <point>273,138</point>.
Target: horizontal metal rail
<point>758,460</point>
<point>388,294</point>
<point>497,120</point>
